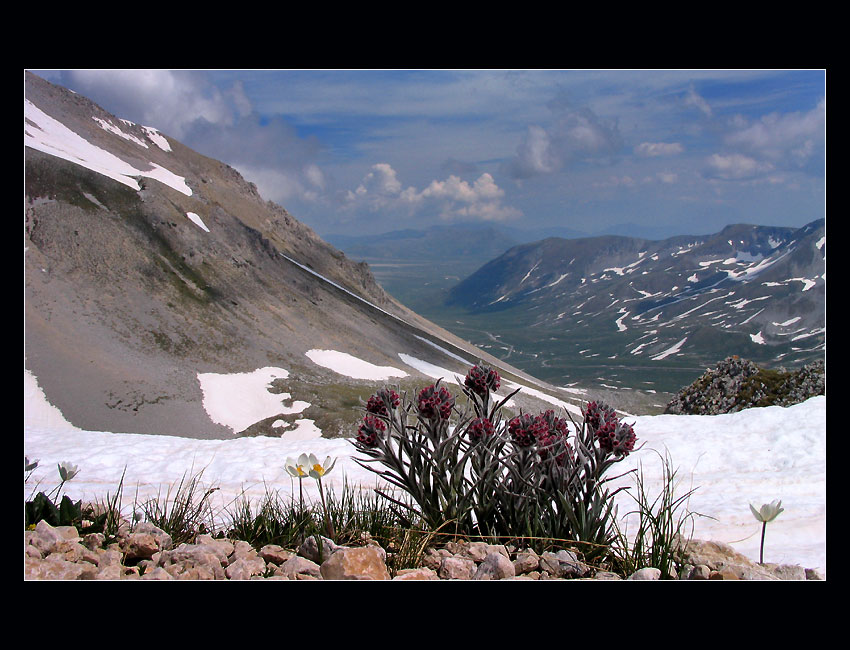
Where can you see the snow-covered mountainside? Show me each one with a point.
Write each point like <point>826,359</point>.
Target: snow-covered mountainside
<point>159,285</point>
<point>755,291</point>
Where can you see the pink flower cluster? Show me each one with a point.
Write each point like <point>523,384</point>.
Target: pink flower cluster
<point>481,379</point>
<point>480,428</point>
<point>544,430</point>
<point>616,437</point>
<point>613,436</point>
<point>369,431</point>
<point>556,431</point>
<point>434,403</point>
<point>382,401</point>
<point>526,429</point>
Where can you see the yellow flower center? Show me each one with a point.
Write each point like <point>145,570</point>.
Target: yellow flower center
<point>319,469</point>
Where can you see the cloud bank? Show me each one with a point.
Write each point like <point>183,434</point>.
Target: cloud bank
<point>452,199</point>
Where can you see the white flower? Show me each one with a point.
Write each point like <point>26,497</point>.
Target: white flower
<point>318,470</point>
<point>297,468</point>
<point>67,471</point>
<point>768,512</point>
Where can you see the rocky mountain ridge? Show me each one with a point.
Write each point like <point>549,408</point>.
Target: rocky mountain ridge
<point>755,291</point>
<point>148,265</point>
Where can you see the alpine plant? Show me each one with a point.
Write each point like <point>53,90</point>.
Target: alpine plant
<point>466,466</point>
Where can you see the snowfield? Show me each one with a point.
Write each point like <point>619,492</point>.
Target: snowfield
<point>754,456</point>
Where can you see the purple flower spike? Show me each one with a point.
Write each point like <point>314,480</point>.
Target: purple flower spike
<point>556,430</point>
<point>526,429</point>
<point>434,403</point>
<point>369,431</point>
<point>598,413</point>
<point>616,437</point>
<point>480,428</point>
<point>481,379</point>
<point>382,401</point>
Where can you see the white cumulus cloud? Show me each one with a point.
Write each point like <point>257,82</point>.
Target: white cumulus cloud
<point>576,134</point>
<point>452,198</point>
<point>792,138</point>
<point>170,100</point>
<point>735,166</point>
<point>652,149</point>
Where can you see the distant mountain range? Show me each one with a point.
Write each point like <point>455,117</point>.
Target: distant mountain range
<point>474,244</point>
<point>150,268</point>
<point>755,291</point>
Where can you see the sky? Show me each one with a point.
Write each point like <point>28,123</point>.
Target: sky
<point>544,151</point>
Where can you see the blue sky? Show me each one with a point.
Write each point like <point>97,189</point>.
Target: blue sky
<point>358,151</point>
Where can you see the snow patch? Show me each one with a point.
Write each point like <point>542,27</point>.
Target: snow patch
<point>197,221</point>
<point>43,133</point>
<point>38,411</point>
<point>351,366</point>
<point>109,126</point>
<point>671,350</point>
<point>239,400</point>
<point>157,138</point>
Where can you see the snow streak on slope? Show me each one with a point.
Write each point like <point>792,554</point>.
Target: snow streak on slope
<point>351,366</point>
<point>48,135</point>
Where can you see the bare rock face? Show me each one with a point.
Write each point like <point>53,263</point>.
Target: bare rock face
<point>127,299</point>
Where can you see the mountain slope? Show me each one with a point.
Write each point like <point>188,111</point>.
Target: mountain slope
<point>755,291</point>
<point>152,272</point>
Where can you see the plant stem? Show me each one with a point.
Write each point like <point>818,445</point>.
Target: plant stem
<point>761,551</point>
<point>328,526</point>
<point>301,494</point>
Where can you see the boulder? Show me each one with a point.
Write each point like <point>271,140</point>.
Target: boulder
<point>274,554</point>
<point>311,550</point>
<point>244,568</point>
<point>722,559</point>
<point>647,573</point>
<point>526,561</point>
<point>453,567</point>
<point>422,573</point>
<point>296,567</point>
<point>563,564</point>
<point>495,567</point>
<point>360,563</point>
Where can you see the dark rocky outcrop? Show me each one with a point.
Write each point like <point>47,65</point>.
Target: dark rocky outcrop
<point>736,384</point>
